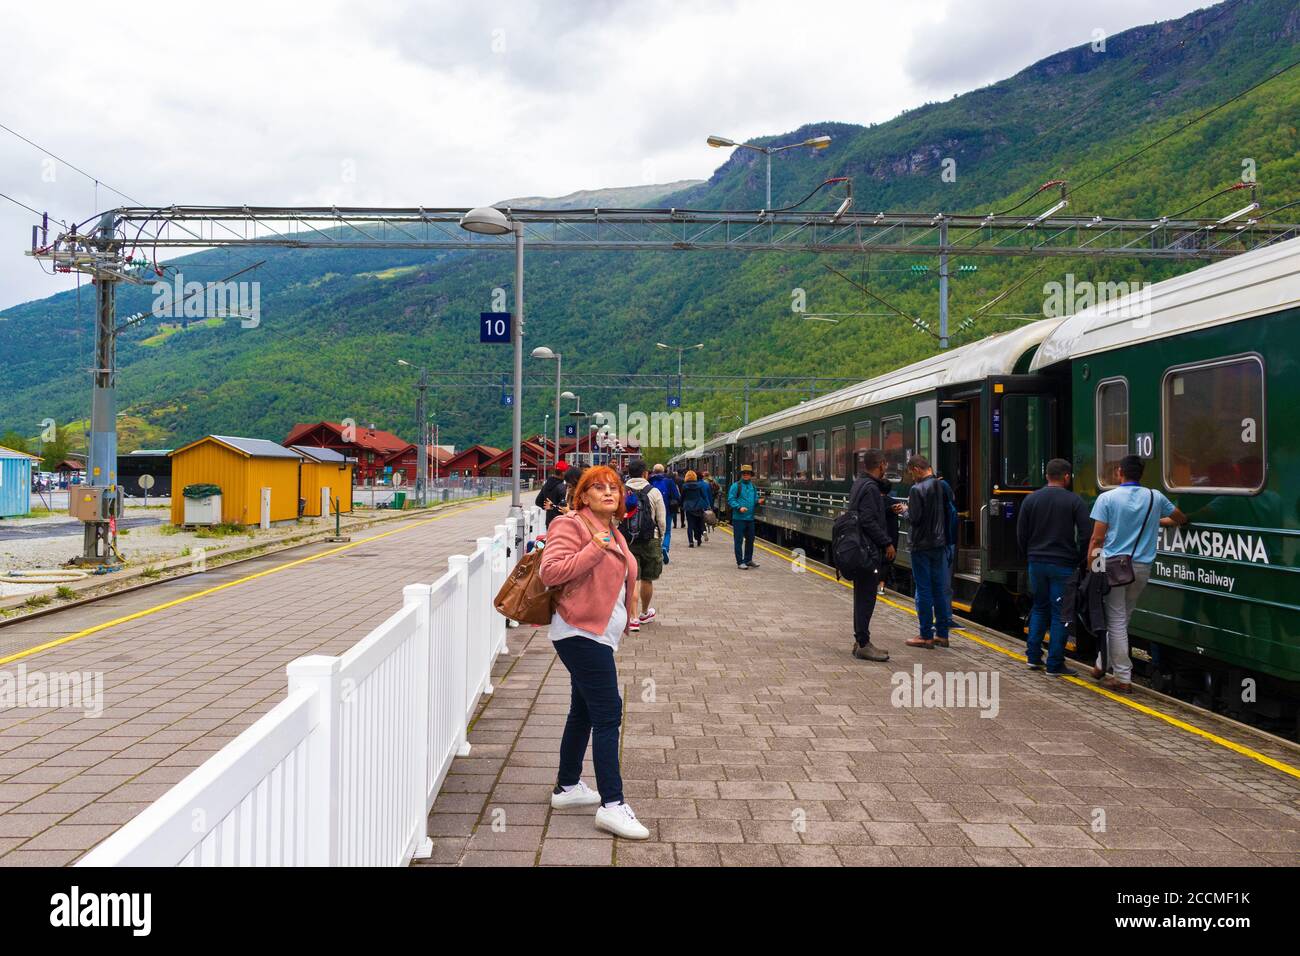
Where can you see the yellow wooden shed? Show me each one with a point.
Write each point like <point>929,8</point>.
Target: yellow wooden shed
<point>324,468</point>
<point>241,468</point>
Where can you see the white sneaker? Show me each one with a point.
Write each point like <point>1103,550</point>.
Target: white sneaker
<point>621,821</point>
<point>648,616</point>
<point>580,796</point>
<point>634,625</point>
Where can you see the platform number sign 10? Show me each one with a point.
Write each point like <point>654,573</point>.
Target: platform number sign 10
<point>494,327</point>
<point>1145,444</point>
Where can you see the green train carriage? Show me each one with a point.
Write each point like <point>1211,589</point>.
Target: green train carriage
<point>987,425</point>
<point>1196,375</point>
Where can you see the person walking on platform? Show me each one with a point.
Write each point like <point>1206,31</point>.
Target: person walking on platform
<point>1123,542</point>
<point>671,493</point>
<point>869,497</point>
<point>1052,532</point>
<point>554,492</point>
<point>645,537</point>
<point>679,479</point>
<point>697,498</point>
<point>592,565</point>
<point>742,498</point>
<point>715,500</point>
<point>927,511</point>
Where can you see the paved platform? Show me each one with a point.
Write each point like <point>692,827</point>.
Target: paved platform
<point>181,682</point>
<point>752,737</point>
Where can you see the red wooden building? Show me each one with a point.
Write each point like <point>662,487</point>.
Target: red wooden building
<point>466,463</point>
<point>373,448</point>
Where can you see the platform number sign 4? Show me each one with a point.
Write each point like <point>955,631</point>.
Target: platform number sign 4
<point>494,327</point>
<point>1146,444</point>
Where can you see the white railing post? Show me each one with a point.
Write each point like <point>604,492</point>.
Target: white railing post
<point>321,674</point>
<point>487,613</point>
<point>503,561</point>
<point>459,563</point>
<point>419,596</point>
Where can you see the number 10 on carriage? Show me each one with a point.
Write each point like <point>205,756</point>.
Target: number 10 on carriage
<point>494,327</point>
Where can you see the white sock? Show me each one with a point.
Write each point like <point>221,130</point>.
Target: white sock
<point>614,804</point>
<point>572,786</point>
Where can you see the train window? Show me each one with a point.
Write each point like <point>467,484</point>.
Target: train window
<point>776,458</point>
<point>891,443</point>
<point>819,456</point>
<point>764,459</point>
<point>1214,426</point>
<point>839,452</point>
<point>787,458</point>
<point>802,455</point>
<point>861,442</point>
<point>923,446</point>
<point>1027,440</point>
<point>1112,428</point>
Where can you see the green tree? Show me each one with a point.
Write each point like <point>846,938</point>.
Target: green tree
<point>11,439</point>
<point>57,450</point>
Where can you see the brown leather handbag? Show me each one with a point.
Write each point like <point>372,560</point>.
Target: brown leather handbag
<point>523,597</point>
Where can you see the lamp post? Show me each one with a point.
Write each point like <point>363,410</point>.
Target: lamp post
<point>576,415</point>
<point>422,459</point>
<point>546,426</point>
<point>489,221</point>
<point>679,349</point>
<point>542,352</point>
<point>817,142</point>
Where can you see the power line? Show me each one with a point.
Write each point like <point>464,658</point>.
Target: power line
<point>94,179</point>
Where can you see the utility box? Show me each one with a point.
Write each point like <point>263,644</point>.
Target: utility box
<point>94,503</point>
<point>203,510</point>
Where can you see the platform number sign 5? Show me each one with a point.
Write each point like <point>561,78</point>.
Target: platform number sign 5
<point>494,327</point>
<point>1146,444</point>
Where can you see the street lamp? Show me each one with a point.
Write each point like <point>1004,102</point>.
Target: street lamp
<point>489,221</point>
<point>679,349</point>
<point>576,414</point>
<point>542,352</point>
<point>817,142</point>
<point>422,459</point>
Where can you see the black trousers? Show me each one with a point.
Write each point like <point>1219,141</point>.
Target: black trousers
<point>695,526</point>
<point>864,605</point>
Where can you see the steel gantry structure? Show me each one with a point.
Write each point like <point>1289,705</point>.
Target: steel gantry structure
<point>122,245</point>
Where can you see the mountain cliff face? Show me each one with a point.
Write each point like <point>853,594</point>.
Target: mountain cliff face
<point>334,322</point>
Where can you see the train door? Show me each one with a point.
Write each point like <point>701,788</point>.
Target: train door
<point>926,438</point>
<point>957,459</point>
<point>1023,430</point>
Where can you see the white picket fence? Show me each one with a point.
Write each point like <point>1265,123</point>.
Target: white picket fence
<point>344,771</point>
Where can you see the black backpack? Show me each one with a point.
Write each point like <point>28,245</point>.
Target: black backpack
<point>852,552</point>
<point>639,526</point>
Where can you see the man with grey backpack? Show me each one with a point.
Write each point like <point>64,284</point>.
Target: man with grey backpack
<point>1123,545</point>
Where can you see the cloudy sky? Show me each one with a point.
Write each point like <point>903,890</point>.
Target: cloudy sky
<point>443,103</point>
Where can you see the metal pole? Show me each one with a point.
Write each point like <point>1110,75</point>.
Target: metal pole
<point>768,151</point>
<point>558,360</point>
<point>746,403</point>
<point>943,284</point>
<point>101,466</point>
<point>516,461</point>
<point>422,463</point>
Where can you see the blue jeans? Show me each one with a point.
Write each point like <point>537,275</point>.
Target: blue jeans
<point>933,592</point>
<point>1047,583</point>
<point>743,539</point>
<point>668,532</point>
<point>595,712</point>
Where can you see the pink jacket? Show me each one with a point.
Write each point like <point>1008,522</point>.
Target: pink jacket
<point>591,575</point>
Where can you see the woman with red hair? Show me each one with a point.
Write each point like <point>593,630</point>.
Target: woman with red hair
<point>589,561</point>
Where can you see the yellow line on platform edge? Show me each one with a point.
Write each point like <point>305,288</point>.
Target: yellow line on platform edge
<point>1141,708</point>
<point>229,584</point>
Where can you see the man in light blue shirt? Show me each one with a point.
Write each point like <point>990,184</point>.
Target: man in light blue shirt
<point>1126,521</point>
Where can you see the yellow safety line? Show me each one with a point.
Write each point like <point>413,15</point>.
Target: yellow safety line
<point>1127,702</point>
<point>229,584</point>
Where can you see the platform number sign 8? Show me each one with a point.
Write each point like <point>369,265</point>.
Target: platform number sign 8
<point>494,327</point>
<point>1145,445</point>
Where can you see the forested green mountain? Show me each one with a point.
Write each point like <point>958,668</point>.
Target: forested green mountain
<point>334,322</point>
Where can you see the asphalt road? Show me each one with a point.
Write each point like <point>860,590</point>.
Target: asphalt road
<point>65,529</point>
